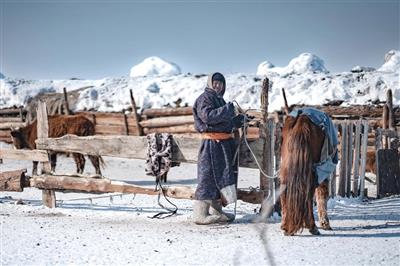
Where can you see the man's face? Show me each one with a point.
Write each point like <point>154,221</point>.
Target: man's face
<point>218,86</point>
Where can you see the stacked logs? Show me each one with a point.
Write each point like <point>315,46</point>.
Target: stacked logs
<point>10,118</point>
<point>170,120</point>
<point>179,121</point>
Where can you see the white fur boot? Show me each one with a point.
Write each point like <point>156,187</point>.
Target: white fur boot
<point>216,209</point>
<point>201,214</point>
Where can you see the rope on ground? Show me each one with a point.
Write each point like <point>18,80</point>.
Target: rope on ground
<point>169,212</point>
<point>96,197</point>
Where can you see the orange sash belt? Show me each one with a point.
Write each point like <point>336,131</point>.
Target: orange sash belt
<point>216,135</point>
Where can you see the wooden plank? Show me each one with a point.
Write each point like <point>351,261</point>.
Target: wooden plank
<point>10,119</point>
<point>350,157</point>
<point>66,104</point>
<point>29,155</point>
<point>189,128</point>
<point>112,129</point>
<point>109,118</point>
<point>343,161</point>
<point>252,132</point>
<point>388,172</point>
<point>356,111</point>
<point>12,180</point>
<point>139,130</point>
<point>363,158</point>
<point>8,125</point>
<point>126,127</point>
<point>356,165</point>
<point>93,185</point>
<point>168,121</point>
<point>5,133</point>
<point>378,139</point>
<point>48,196</point>
<point>155,112</point>
<point>264,182</point>
<point>11,111</point>
<point>389,103</point>
<point>385,122</point>
<point>115,120</point>
<point>185,149</point>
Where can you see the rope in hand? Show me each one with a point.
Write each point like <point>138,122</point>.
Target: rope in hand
<point>244,136</point>
<point>236,155</point>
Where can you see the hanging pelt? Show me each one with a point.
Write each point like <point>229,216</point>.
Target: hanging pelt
<point>159,155</point>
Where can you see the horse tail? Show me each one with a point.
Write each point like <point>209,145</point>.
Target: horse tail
<point>298,176</point>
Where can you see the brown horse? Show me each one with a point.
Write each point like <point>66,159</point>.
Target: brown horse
<point>59,125</point>
<point>301,147</point>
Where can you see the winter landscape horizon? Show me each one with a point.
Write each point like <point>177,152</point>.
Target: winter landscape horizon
<point>156,82</point>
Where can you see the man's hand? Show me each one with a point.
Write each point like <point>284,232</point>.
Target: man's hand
<point>250,117</point>
<point>238,121</point>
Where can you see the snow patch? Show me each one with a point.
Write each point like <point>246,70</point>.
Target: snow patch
<point>263,68</point>
<point>392,62</point>
<point>304,63</point>
<point>314,86</point>
<point>155,66</point>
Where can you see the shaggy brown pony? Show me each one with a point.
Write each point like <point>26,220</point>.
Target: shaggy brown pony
<point>59,125</point>
<point>301,147</point>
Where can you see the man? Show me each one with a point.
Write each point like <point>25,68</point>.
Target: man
<point>215,120</point>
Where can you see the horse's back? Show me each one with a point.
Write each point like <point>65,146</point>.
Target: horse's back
<point>61,125</point>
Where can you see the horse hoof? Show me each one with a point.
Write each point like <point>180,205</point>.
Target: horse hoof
<point>327,227</point>
<point>287,234</point>
<point>315,231</point>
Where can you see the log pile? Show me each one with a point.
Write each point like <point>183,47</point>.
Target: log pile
<point>180,121</point>
<point>114,123</point>
<point>11,118</point>
<point>17,181</point>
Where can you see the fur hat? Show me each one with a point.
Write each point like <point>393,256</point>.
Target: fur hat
<point>218,76</point>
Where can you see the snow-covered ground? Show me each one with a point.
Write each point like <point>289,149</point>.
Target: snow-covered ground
<point>86,229</point>
<point>119,231</point>
<point>157,83</point>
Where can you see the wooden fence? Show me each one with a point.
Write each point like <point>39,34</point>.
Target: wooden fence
<point>264,139</point>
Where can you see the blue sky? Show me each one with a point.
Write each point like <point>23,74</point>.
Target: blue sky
<point>94,39</point>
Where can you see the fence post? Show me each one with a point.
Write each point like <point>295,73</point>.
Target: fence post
<point>48,196</point>
<point>139,128</point>
<point>389,103</point>
<point>66,104</point>
<point>385,124</point>
<point>349,157</point>
<point>356,166</point>
<point>265,135</point>
<point>343,160</point>
<point>125,122</point>
<point>363,157</point>
<point>271,164</point>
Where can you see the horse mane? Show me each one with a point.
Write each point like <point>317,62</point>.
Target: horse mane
<point>297,172</point>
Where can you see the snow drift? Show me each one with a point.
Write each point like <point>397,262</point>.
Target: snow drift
<point>155,66</point>
<point>156,83</point>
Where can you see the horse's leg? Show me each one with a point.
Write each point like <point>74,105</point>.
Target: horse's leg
<point>34,168</point>
<point>312,227</point>
<point>322,195</point>
<point>284,219</point>
<point>53,161</point>
<point>80,162</point>
<point>96,163</point>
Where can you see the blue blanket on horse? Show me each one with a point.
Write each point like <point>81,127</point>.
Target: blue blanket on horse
<point>329,155</point>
